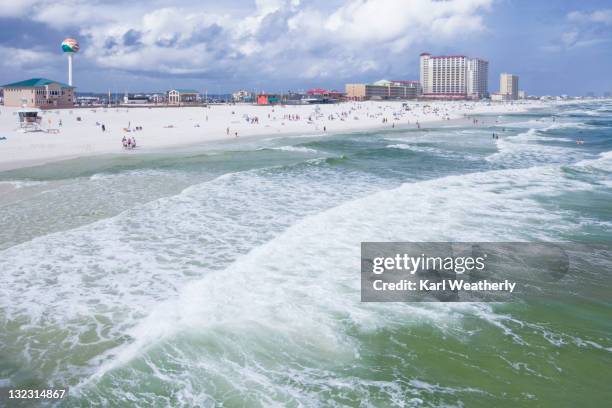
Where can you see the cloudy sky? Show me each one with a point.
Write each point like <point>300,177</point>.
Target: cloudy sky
<point>555,47</point>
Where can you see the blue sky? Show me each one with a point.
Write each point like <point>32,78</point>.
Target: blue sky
<point>275,45</point>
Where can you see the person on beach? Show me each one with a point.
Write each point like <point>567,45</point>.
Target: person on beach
<point>103,128</point>
<point>227,131</point>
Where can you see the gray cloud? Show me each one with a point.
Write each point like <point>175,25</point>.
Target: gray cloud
<point>132,37</point>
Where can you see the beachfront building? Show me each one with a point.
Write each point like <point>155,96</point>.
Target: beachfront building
<point>508,85</point>
<point>477,78</point>
<point>323,93</point>
<point>242,96</point>
<point>383,89</point>
<point>135,99</point>
<point>88,100</point>
<point>320,95</point>
<point>182,97</point>
<point>453,76</point>
<point>499,97</point>
<point>158,98</point>
<point>268,99</point>
<point>39,93</point>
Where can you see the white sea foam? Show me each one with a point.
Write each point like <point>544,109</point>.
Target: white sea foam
<point>603,162</point>
<point>545,125</point>
<point>400,146</point>
<point>17,184</point>
<point>584,112</point>
<point>529,148</point>
<point>421,149</point>
<point>434,151</point>
<point>300,149</point>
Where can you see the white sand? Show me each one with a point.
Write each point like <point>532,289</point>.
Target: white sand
<point>191,126</point>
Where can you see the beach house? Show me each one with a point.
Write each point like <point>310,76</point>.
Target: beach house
<point>38,93</point>
<point>268,99</point>
<point>182,96</point>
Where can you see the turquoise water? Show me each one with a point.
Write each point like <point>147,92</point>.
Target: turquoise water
<point>228,274</point>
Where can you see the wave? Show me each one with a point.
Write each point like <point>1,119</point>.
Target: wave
<point>312,135</point>
<point>545,125</point>
<point>399,146</point>
<point>602,162</point>
<point>530,148</point>
<point>18,184</point>
<point>126,174</point>
<point>567,125</point>
<point>269,292</point>
<point>581,112</point>
<point>115,270</point>
<point>300,149</point>
<point>434,151</point>
<point>419,149</point>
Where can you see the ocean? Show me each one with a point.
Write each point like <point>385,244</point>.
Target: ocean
<point>228,274</point>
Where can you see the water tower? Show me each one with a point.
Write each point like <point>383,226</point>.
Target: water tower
<point>70,46</point>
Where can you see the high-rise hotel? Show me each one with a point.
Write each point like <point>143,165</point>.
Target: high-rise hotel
<point>508,86</point>
<point>454,77</point>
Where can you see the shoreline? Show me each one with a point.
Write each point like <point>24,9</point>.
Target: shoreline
<point>29,151</point>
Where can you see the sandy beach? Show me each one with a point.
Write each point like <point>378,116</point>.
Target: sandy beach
<point>79,131</point>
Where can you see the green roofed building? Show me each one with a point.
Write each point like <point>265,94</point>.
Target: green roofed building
<point>38,93</point>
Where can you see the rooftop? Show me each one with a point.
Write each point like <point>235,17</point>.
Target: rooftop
<point>35,82</point>
<point>382,82</point>
<point>449,56</point>
<point>185,90</point>
<point>404,82</point>
<point>385,82</point>
<point>320,91</point>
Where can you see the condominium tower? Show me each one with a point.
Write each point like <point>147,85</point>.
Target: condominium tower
<point>508,86</point>
<point>454,76</point>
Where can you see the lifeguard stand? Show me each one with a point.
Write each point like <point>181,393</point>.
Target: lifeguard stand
<point>29,119</point>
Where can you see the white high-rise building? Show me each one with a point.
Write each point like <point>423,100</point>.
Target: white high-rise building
<point>478,78</point>
<point>508,86</point>
<point>453,76</point>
